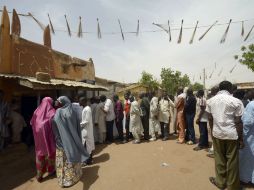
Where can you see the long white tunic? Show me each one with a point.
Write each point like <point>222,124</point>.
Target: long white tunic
<point>87,129</point>
<point>154,112</point>
<point>135,121</point>
<point>164,113</point>
<point>95,129</point>
<point>100,118</point>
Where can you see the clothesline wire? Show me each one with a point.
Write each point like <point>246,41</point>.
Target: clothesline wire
<point>145,31</point>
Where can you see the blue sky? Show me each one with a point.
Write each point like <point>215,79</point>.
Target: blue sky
<point>125,60</point>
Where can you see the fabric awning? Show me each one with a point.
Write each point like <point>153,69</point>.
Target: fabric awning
<point>33,83</point>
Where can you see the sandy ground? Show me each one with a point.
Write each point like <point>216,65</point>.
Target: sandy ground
<point>119,167</point>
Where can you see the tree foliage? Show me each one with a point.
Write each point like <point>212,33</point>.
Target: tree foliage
<point>148,79</point>
<point>171,80</point>
<point>247,57</point>
<point>197,86</point>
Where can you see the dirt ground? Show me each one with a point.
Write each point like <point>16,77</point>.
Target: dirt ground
<point>119,167</point>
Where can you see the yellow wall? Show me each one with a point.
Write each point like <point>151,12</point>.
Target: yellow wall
<point>134,91</point>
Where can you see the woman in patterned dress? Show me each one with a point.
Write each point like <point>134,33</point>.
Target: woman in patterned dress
<point>70,152</point>
<point>45,146</point>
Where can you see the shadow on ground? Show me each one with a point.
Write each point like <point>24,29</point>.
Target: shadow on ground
<point>99,148</point>
<point>17,166</point>
<point>101,158</point>
<point>90,175</point>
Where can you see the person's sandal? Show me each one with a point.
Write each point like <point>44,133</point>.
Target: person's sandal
<point>39,179</point>
<point>190,143</point>
<point>197,148</point>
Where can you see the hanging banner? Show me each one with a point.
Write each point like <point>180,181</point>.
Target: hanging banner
<point>137,32</point>
<point>80,33</point>
<point>201,37</point>
<point>68,26</point>
<point>180,34</point>
<point>51,25</point>
<point>220,72</point>
<point>37,21</point>
<point>121,29</point>
<point>194,32</point>
<point>210,76</point>
<point>169,32</point>
<point>249,33</point>
<point>242,33</point>
<point>160,26</point>
<point>233,68</point>
<point>98,29</point>
<point>223,39</point>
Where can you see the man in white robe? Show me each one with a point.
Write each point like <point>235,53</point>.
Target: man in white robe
<point>87,128</point>
<point>136,127</point>
<point>154,122</point>
<point>94,104</point>
<point>165,105</point>
<point>100,120</point>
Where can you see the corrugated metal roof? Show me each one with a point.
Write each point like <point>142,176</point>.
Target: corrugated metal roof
<point>245,85</point>
<point>32,82</point>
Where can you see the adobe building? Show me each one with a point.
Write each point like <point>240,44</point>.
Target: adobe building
<point>30,71</point>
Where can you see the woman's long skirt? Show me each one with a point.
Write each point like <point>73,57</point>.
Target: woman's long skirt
<point>67,173</point>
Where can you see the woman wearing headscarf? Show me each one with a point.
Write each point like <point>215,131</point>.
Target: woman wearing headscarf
<point>45,146</point>
<point>70,152</point>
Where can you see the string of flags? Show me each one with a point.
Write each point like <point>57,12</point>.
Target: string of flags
<point>162,28</point>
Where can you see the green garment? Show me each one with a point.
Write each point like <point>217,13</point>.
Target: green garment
<point>226,163</point>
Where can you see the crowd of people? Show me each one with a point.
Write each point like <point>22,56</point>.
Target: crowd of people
<point>65,132</point>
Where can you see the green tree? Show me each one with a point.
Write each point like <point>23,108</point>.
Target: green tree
<point>172,80</point>
<point>148,79</point>
<point>197,86</point>
<point>247,57</point>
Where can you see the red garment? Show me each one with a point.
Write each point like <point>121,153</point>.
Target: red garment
<point>45,164</point>
<point>127,107</point>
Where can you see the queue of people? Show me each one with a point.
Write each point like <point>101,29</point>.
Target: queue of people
<point>66,132</point>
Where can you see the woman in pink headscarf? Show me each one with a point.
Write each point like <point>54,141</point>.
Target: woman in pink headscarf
<point>45,146</point>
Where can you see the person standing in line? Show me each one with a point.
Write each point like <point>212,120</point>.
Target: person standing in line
<point>136,127</point>
<point>4,113</point>
<point>180,115</point>
<point>45,145</point>
<point>190,111</point>
<point>127,106</point>
<point>164,115</point>
<point>202,122</point>
<point>70,152</point>
<point>225,113</point>
<point>214,91</point>
<point>87,128</point>
<point>100,120</point>
<point>110,117</point>
<point>119,117</point>
<point>94,101</point>
<point>145,109</point>
<point>17,123</point>
<point>175,116</point>
<point>246,155</point>
<point>154,117</point>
